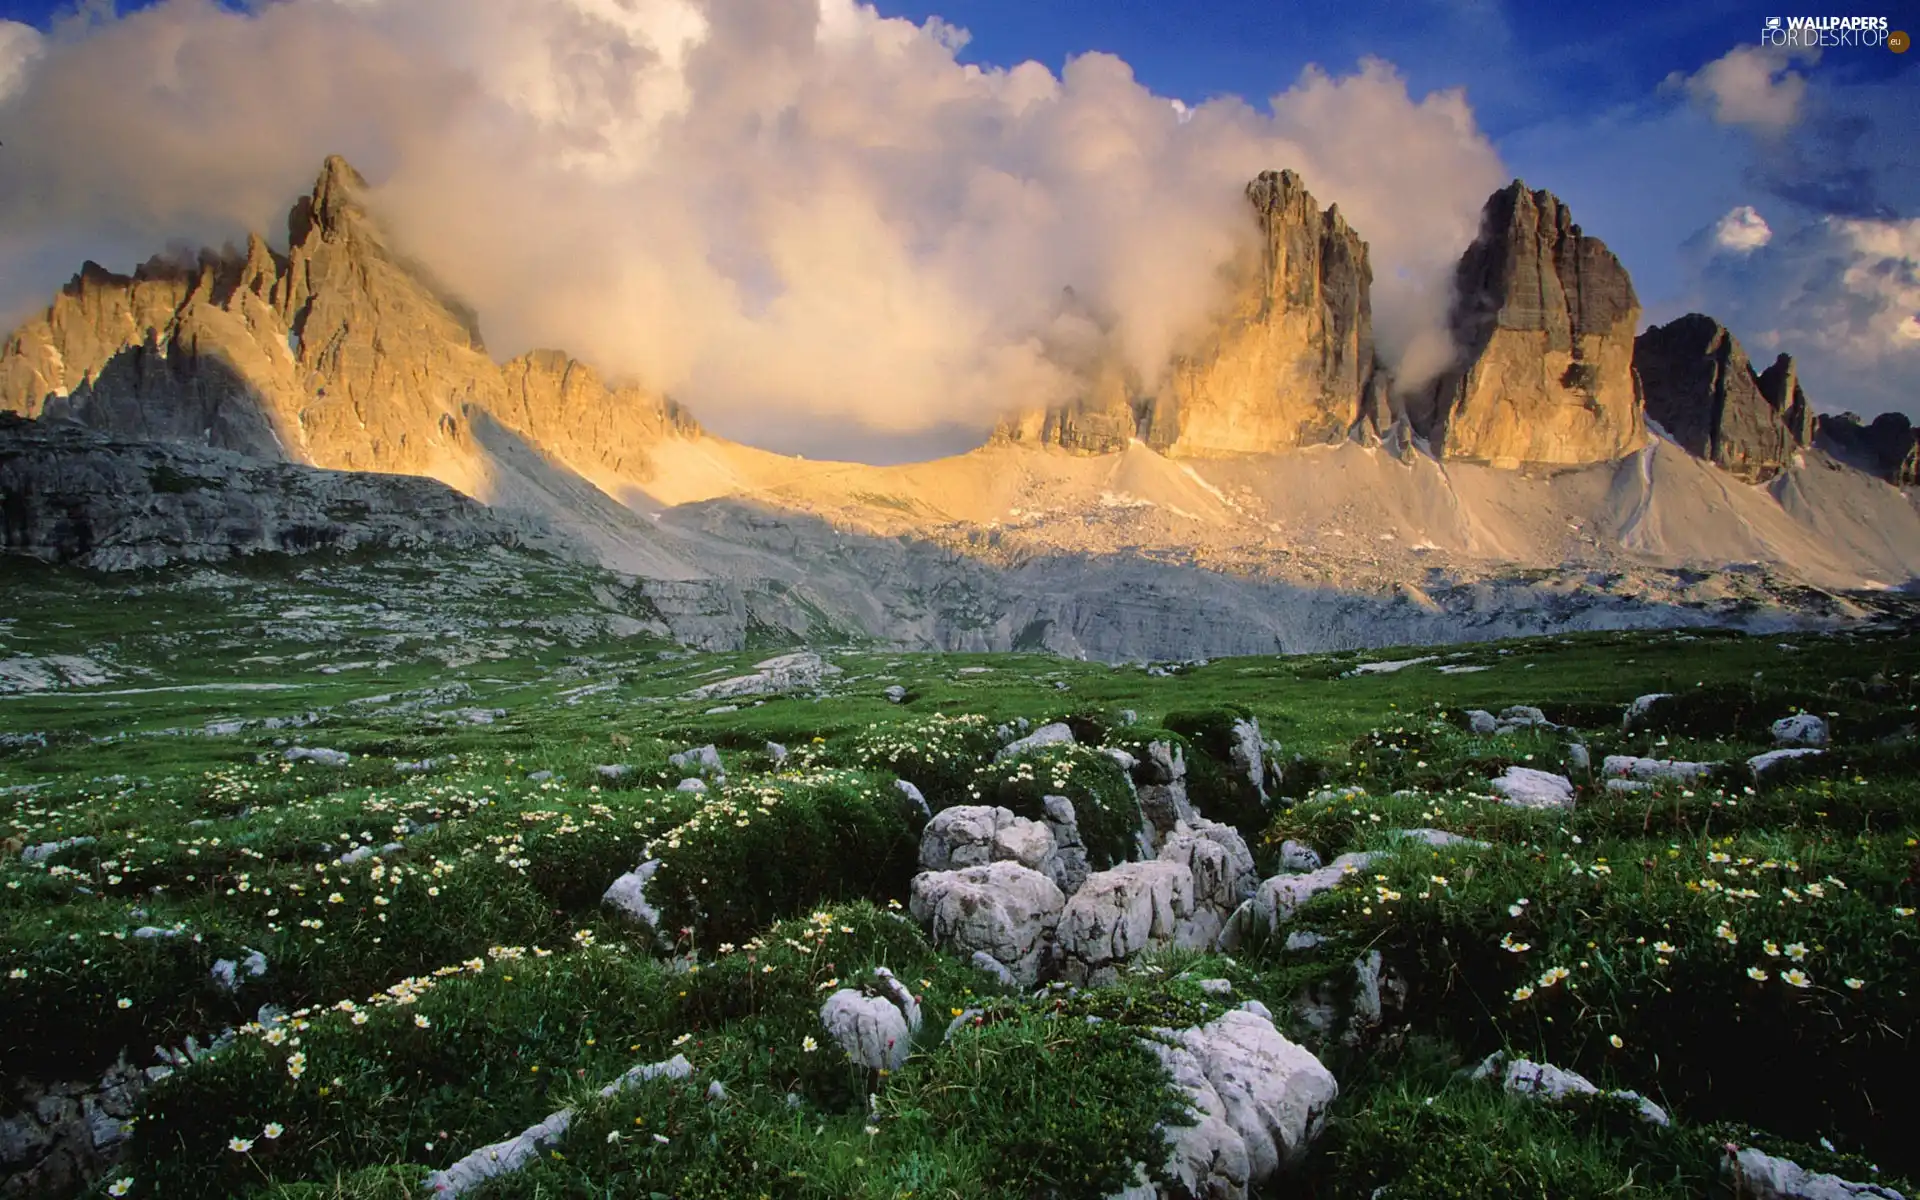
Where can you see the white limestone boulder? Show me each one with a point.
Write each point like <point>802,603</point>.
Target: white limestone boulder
<point>1118,913</point>
<point>1763,1176</point>
<point>1221,866</point>
<point>1057,734</point>
<point>1524,787</point>
<point>782,673</point>
<point>1760,764</point>
<point>1003,909</point>
<point>1654,770</point>
<point>874,1026</point>
<point>1274,902</point>
<point>1260,1099</point>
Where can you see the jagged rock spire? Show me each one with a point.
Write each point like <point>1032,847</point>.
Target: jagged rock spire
<point>1703,391</point>
<point>1544,318</point>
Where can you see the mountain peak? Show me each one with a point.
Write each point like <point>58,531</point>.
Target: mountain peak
<point>1544,317</point>
<point>333,207</point>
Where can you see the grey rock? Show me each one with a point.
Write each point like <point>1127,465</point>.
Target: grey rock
<point>1221,868</point>
<point>112,503</point>
<point>913,796</point>
<point>627,895</point>
<point>1297,856</point>
<point>994,967</point>
<point>1887,447</point>
<point>1760,764</point>
<point>1527,716</point>
<point>691,784</point>
<point>1259,1100</point>
<point>876,1031</point>
<point>1004,909</point>
<point>1248,755</point>
<point>1551,1084</point>
<point>1655,770</point>
<point>777,752</point>
<point>46,850</point>
<point>895,694</point>
<point>1047,735</point>
<point>1764,1176</point>
<point>320,755</point>
<point>1524,787</point>
<point>1482,722</point>
<point>1275,900</point>
<point>613,771</point>
<point>1802,729</point>
<point>506,1157</point>
<point>1579,758</point>
<point>1641,707</point>
<point>1441,839</point>
<point>1704,392</point>
<point>1119,912</point>
<point>703,760</point>
<point>782,673</point>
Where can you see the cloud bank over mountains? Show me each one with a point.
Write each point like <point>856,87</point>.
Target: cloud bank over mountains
<point>802,218</point>
<point>779,213</point>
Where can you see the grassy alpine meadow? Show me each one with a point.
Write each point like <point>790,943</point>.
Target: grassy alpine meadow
<point>332,974</point>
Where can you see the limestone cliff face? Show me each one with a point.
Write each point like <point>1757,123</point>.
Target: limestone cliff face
<point>71,494</point>
<point>1889,446</point>
<point>1704,392</point>
<point>340,354</point>
<point>1544,317</point>
<point>1290,361</point>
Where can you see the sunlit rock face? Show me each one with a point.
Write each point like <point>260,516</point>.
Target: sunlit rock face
<point>1289,361</point>
<point>341,353</point>
<point>1544,317</point>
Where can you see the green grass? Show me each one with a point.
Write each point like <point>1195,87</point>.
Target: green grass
<point>784,882</point>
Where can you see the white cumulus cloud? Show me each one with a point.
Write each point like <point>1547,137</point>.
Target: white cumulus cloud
<point>1841,295</point>
<point>19,46</point>
<point>786,213</point>
<point>1753,86</point>
<point>1742,230</point>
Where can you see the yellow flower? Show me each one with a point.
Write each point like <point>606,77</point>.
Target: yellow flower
<point>239,1145</point>
<point>1522,992</point>
<point>1795,977</point>
<point>808,1044</point>
<point>1617,1043</point>
<point>683,1039</point>
<point>1756,974</point>
<point>273,1130</point>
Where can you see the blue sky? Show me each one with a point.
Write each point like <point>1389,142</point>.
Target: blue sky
<point>1632,112</point>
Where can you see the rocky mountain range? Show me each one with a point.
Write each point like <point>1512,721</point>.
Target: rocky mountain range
<point>1272,489</point>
